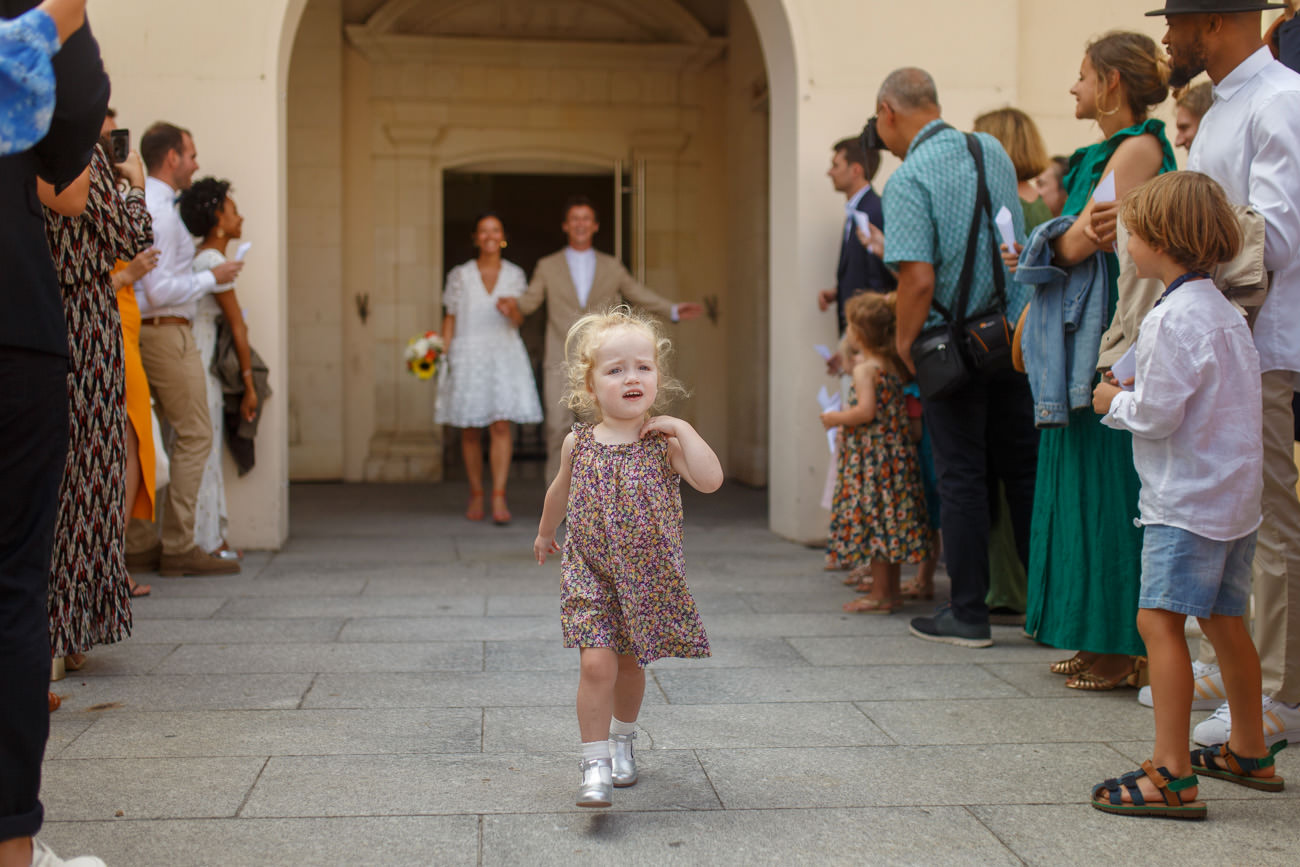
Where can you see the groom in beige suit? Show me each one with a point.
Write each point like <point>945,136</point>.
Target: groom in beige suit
<point>573,282</point>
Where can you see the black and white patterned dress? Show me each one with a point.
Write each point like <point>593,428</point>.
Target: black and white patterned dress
<point>89,600</point>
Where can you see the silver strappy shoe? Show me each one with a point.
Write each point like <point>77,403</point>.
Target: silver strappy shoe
<point>597,784</point>
<point>624,760</point>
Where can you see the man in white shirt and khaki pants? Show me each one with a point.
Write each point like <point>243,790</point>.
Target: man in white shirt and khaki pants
<point>168,299</point>
<point>574,282</point>
<point>1249,141</point>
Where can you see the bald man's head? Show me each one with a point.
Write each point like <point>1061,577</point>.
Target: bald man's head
<point>909,89</point>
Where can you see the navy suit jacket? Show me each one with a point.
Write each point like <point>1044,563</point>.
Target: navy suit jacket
<point>859,268</point>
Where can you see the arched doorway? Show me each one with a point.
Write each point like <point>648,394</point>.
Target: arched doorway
<point>384,96</point>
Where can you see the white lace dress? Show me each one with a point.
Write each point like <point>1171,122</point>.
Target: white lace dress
<point>488,375</point>
<point>210,509</point>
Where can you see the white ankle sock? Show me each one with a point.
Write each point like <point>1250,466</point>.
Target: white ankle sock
<point>618,727</point>
<point>595,750</point>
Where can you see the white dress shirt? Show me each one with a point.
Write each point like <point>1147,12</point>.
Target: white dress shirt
<point>850,207</point>
<point>1249,141</point>
<point>1196,416</point>
<point>582,270</point>
<point>172,288</point>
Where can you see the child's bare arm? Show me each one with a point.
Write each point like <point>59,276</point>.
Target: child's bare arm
<point>864,412</point>
<point>557,502</point>
<point>688,453</point>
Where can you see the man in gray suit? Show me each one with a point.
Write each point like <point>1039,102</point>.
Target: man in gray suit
<point>573,282</point>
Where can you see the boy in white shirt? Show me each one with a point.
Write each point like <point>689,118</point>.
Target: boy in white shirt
<point>1196,421</point>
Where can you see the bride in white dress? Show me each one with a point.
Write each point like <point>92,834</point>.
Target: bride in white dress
<point>489,380</point>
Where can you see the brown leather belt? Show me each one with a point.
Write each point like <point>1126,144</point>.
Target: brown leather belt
<point>165,320</point>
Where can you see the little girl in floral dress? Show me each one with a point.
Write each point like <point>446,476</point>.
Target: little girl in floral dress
<point>879,512</point>
<point>624,599</point>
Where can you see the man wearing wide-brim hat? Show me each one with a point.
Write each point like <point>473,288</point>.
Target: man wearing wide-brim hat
<point>1249,141</point>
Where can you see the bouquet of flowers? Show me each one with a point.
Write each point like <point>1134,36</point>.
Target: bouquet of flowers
<point>423,353</point>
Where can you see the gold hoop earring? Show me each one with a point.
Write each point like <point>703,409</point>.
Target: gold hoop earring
<point>221,233</point>
<point>1101,112</point>
<point>504,245</point>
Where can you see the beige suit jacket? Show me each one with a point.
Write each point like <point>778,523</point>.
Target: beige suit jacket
<point>611,286</point>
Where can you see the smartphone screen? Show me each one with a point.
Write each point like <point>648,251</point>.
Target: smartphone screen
<point>121,141</point>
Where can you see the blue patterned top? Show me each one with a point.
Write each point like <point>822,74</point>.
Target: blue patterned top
<point>929,201</point>
<point>26,79</point>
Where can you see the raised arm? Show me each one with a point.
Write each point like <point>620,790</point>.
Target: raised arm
<point>688,453</point>
<point>640,296</point>
<point>1136,161</point>
<point>557,503</point>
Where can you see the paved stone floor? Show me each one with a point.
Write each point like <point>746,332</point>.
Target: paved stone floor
<point>391,689</point>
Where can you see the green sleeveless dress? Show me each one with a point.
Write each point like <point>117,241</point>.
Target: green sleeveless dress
<point>1085,553</point>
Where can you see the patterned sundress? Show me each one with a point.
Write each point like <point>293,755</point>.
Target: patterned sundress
<point>879,509</point>
<point>89,601</point>
<point>624,571</point>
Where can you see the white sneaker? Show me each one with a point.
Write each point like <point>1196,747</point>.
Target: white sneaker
<point>1281,723</point>
<point>43,857</point>
<point>1207,688</point>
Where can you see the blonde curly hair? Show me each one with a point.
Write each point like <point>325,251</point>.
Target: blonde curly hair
<point>586,337</point>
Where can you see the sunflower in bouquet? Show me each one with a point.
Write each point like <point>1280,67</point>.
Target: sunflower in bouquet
<point>423,353</point>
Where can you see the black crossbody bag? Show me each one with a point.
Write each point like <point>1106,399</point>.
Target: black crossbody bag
<point>948,355</point>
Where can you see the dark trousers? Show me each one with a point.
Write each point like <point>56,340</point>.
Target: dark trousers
<point>983,433</point>
<point>33,448</point>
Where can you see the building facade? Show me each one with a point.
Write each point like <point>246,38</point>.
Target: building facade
<point>361,136</point>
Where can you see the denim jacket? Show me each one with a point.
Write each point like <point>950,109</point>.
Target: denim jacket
<point>1063,328</point>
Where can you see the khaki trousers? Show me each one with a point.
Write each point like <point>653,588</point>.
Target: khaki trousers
<point>1277,553</point>
<point>175,370</point>
<point>559,418</point>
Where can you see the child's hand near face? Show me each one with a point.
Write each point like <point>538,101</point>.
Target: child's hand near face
<point>1103,394</point>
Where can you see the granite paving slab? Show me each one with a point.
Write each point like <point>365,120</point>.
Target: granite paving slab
<point>353,606</point>
<point>673,727</point>
<point>791,625</point>
<point>1003,720</point>
<point>182,692</point>
<point>906,650</point>
<point>280,733</point>
<point>124,657</point>
<point>396,841</point>
<point>229,631</point>
<point>450,628</point>
<point>457,784</point>
<point>64,729</point>
<point>843,683</point>
<point>885,776</point>
<point>151,788</point>
<point>1236,832</point>
<point>744,838</point>
<point>553,656</point>
<point>335,658</point>
<point>160,607</point>
<point>448,689</point>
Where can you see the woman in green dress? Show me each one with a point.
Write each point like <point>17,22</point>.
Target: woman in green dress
<point>1085,550</point>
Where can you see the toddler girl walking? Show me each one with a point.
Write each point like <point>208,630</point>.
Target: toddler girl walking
<point>879,512</point>
<point>624,599</point>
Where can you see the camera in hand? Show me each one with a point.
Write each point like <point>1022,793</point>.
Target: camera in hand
<point>120,139</point>
<point>870,139</point>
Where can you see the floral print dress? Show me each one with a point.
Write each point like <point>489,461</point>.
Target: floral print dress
<point>879,508</point>
<point>624,571</point>
<point>89,602</point>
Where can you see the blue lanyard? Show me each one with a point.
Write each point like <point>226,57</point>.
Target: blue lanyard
<point>1190,275</point>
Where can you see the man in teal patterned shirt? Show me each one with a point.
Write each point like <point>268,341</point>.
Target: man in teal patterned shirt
<point>987,425</point>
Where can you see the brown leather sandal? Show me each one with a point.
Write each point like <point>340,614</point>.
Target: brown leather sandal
<point>871,605</point>
<point>1223,764</point>
<point>474,512</point>
<point>1109,796</point>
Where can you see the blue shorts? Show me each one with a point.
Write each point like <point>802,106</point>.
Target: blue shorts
<point>1190,574</point>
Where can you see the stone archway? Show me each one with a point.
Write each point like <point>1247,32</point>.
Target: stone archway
<point>336,204</point>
